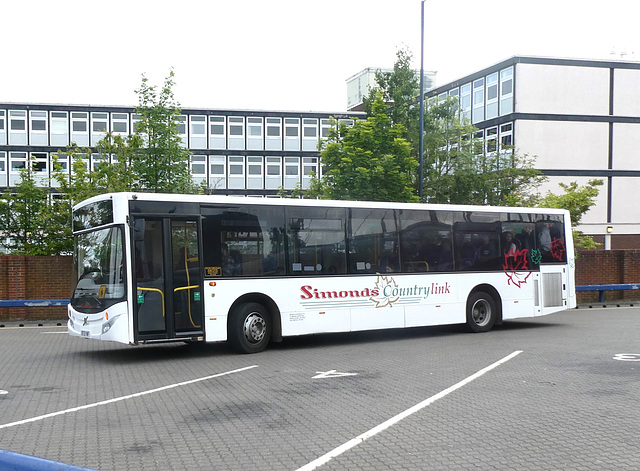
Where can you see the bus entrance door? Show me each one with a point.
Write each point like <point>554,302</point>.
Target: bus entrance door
<point>168,303</point>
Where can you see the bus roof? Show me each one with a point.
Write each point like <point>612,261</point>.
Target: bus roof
<point>242,200</point>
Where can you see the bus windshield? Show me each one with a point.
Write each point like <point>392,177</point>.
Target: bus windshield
<point>99,269</point>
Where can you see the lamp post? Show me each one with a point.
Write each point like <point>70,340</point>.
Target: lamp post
<point>421,123</point>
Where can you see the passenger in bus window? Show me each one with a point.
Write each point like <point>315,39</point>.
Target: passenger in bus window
<point>444,262</point>
<point>229,265</point>
<point>389,262</point>
<point>508,244</point>
<point>487,248</point>
<point>545,239</point>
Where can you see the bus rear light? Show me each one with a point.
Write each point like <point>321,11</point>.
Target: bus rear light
<point>321,312</point>
<point>212,283</point>
<point>213,318</point>
<point>106,316</point>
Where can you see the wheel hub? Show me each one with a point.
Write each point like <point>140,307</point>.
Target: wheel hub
<point>255,328</point>
<point>481,312</point>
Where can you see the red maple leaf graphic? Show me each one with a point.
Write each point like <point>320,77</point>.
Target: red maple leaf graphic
<point>516,267</point>
<point>557,248</point>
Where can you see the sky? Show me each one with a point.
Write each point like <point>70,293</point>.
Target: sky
<point>282,54</point>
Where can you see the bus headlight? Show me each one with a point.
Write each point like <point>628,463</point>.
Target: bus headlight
<point>107,325</point>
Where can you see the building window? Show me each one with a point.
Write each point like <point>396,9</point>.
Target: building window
<point>199,165</point>
<point>291,172</point>
<point>506,91</point>
<point>292,134</point>
<point>120,123</point>
<point>274,173</point>
<point>59,128</point>
<point>135,119</point>
<point>40,163</point>
<point>309,169</point>
<point>236,132</point>
<point>217,132</point>
<point>181,126</point>
<point>254,133</point>
<point>310,134</point>
<point>254,173</point>
<point>99,127</point>
<point>217,172</point>
<point>3,169</point>
<point>198,134</point>
<point>18,120</point>
<point>18,161</point>
<point>492,96</point>
<point>17,127</point>
<point>325,126</point>
<point>3,128</point>
<point>38,133</point>
<point>274,134</point>
<point>236,172</point>
<point>506,136</point>
<point>465,102</point>
<point>478,101</point>
<point>492,139</point>
<point>80,128</point>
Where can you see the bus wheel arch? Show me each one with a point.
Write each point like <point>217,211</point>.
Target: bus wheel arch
<point>484,308</point>
<point>255,312</point>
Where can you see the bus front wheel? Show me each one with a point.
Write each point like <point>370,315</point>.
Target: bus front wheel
<point>481,312</point>
<point>250,328</point>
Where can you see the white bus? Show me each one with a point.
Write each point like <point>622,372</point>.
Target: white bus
<point>154,267</point>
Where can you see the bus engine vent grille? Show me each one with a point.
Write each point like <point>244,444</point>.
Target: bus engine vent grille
<point>552,286</point>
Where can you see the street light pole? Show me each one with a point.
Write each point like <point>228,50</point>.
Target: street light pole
<point>421,125</point>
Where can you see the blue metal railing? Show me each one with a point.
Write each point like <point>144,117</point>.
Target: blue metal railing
<point>33,302</point>
<point>602,288</point>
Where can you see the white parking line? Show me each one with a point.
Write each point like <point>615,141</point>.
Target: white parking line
<point>122,398</point>
<point>402,415</point>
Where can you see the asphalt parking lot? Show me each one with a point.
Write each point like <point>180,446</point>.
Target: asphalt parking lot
<point>556,392</point>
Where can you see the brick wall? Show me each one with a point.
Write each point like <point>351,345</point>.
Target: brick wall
<point>37,277</point>
<point>595,267</point>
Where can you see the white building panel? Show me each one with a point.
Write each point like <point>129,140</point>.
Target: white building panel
<point>626,146</point>
<point>626,99</point>
<point>556,89</point>
<point>564,144</point>
<point>624,206</point>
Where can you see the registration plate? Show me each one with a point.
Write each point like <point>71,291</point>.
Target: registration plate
<point>85,333</point>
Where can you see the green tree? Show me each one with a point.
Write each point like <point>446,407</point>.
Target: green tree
<point>400,88</point>
<point>163,165</point>
<point>33,221</point>
<point>577,199</point>
<point>370,160</point>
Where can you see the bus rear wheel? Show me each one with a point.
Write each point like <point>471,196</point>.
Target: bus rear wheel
<point>250,328</point>
<point>481,312</point>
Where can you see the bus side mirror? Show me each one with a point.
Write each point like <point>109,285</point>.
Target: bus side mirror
<point>138,230</point>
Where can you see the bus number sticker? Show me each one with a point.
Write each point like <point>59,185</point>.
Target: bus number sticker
<point>212,271</point>
<point>102,291</point>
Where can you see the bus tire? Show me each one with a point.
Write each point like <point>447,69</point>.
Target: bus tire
<point>482,312</point>
<point>250,328</point>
